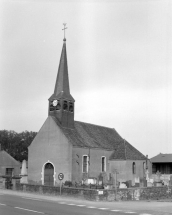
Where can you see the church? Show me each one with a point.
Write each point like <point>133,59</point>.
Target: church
<point>81,151</point>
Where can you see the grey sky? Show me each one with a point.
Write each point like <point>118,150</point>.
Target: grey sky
<point>119,58</point>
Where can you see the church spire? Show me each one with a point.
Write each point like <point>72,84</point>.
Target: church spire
<point>62,88</point>
<point>61,103</point>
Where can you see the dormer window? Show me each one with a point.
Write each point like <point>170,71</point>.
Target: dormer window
<point>71,107</point>
<point>65,105</point>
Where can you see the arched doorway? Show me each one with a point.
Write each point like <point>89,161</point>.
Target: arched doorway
<point>48,174</point>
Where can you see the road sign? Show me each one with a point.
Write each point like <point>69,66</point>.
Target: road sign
<point>60,176</point>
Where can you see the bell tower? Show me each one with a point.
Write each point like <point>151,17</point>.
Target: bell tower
<point>61,103</point>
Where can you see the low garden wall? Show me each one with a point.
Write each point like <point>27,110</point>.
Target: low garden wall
<point>84,193</point>
<point>132,194</point>
<point>129,194</point>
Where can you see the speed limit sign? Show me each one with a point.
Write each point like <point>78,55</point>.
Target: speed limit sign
<point>60,176</point>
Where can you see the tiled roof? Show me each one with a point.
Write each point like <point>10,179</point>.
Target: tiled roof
<point>94,136</point>
<point>162,158</point>
<point>126,151</point>
<point>7,160</point>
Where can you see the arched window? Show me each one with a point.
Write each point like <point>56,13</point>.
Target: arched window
<point>58,107</point>
<point>71,107</point>
<point>134,168</point>
<point>144,166</point>
<point>51,106</point>
<point>103,164</point>
<point>65,105</point>
<point>85,163</point>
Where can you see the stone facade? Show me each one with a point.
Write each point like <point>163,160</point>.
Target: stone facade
<point>123,167</point>
<point>49,146</point>
<point>94,168</point>
<point>125,173</point>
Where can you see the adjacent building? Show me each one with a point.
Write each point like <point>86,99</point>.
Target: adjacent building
<point>8,166</point>
<point>162,167</point>
<point>162,163</point>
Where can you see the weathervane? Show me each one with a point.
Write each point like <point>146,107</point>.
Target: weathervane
<point>64,29</point>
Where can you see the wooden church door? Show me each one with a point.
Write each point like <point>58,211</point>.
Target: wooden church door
<point>48,174</point>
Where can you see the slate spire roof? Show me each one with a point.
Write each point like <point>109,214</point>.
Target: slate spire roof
<point>86,135</point>
<point>62,89</point>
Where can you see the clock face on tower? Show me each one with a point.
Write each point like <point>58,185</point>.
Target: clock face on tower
<point>55,102</point>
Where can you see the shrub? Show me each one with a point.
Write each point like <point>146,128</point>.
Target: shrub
<point>68,183</point>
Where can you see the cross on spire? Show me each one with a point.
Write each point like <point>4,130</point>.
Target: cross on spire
<point>64,30</point>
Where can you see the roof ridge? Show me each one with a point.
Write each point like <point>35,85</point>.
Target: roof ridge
<point>162,155</point>
<point>165,154</point>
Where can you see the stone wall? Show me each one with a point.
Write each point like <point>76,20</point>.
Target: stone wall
<point>83,193</point>
<point>130,194</point>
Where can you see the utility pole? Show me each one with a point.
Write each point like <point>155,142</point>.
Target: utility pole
<point>115,172</point>
<point>88,161</point>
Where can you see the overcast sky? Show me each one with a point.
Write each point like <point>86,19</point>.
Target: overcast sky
<point>119,62</point>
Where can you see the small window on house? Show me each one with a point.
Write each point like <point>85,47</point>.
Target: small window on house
<point>85,163</point>
<point>9,171</point>
<point>71,107</point>
<point>103,164</point>
<point>65,105</point>
<point>134,168</point>
<point>144,166</point>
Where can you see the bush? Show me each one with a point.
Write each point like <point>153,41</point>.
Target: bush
<point>68,183</point>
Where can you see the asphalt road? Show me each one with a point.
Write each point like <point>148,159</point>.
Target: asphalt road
<point>17,203</point>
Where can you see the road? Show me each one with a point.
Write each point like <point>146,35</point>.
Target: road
<point>18,203</point>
